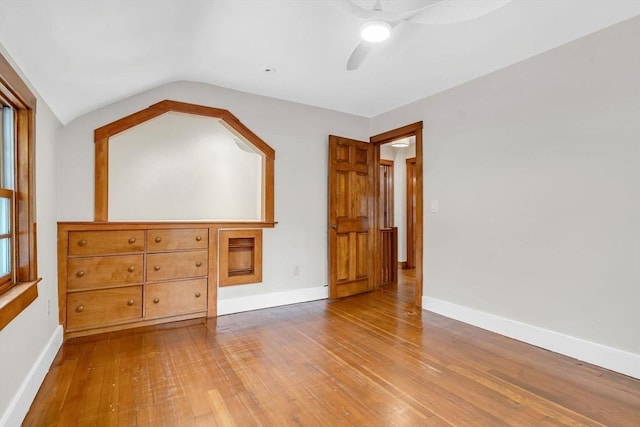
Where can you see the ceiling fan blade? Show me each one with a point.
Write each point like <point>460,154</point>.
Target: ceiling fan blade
<point>358,55</point>
<point>452,11</point>
<point>352,9</point>
<point>409,14</point>
<point>376,12</point>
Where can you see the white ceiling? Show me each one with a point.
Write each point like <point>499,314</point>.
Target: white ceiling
<point>83,54</point>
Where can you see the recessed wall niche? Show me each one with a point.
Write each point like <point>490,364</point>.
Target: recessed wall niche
<point>182,162</point>
<point>183,167</point>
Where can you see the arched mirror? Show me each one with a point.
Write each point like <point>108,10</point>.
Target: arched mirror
<point>182,162</point>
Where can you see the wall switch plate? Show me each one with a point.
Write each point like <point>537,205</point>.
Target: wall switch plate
<point>434,206</point>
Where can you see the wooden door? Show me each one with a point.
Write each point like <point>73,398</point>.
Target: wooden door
<point>411,212</point>
<point>388,233</point>
<point>351,216</point>
<point>385,196</point>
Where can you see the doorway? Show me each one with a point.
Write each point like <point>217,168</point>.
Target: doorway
<point>355,243</point>
<point>407,149</point>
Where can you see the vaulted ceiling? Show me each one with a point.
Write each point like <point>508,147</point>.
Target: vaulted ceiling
<point>80,55</point>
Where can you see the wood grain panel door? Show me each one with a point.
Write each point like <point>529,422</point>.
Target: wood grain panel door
<point>411,212</point>
<point>351,216</point>
<point>385,194</point>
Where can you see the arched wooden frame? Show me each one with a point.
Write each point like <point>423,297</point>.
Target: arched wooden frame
<point>102,135</point>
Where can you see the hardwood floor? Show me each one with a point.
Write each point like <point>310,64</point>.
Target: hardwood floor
<point>368,360</point>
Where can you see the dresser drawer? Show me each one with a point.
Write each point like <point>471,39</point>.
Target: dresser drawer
<point>180,239</point>
<point>174,298</point>
<point>105,242</point>
<point>98,272</point>
<point>177,265</point>
<point>103,307</point>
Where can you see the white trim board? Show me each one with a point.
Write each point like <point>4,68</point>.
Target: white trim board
<point>275,299</point>
<point>21,402</point>
<point>587,351</point>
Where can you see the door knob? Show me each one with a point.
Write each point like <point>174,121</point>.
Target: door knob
<point>334,226</point>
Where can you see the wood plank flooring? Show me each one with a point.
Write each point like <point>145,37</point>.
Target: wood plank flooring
<point>369,360</point>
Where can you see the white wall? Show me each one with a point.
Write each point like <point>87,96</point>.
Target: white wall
<point>29,343</point>
<point>537,171</point>
<point>183,167</point>
<point>299,136</point>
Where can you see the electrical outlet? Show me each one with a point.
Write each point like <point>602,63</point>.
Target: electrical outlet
<point>296,270</point>
<point>434,206</point>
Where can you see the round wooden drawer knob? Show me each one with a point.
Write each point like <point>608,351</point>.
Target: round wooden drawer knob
<point>132,240</point>
<point>82,242</point>
<point>80,273</point>
<point>80,309</point>
<point>131,269</point>
<point>198,238</point>
<point>156,267</point>
<point>198,263</point>
<point>130,302</point>
<point>156,300</point>
<point>197,294</point>
<point>158,239</point>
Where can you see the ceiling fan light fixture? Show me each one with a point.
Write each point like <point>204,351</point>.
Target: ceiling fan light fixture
<point>375,31</point>
<point>403,143</point>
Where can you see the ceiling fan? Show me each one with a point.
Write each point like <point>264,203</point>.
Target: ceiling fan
<point>379,24</point>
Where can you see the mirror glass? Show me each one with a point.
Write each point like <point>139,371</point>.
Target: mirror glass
<point>183,167</point>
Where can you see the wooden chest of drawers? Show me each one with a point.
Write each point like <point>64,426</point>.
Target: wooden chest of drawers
<point>115,279</point>
<point>114,276</point>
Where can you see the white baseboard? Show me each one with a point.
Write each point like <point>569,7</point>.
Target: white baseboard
<point>256,302</point>
<point>19,406</point>
<point>590,352</point>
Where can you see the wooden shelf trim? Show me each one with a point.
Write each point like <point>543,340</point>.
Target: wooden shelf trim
<point>17,299</point>
<point>138,225</point>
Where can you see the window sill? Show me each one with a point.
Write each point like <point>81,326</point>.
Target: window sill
<point>17,299</point>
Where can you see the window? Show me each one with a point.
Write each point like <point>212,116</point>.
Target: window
<point>7,168</point>
<point>18,271</point>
